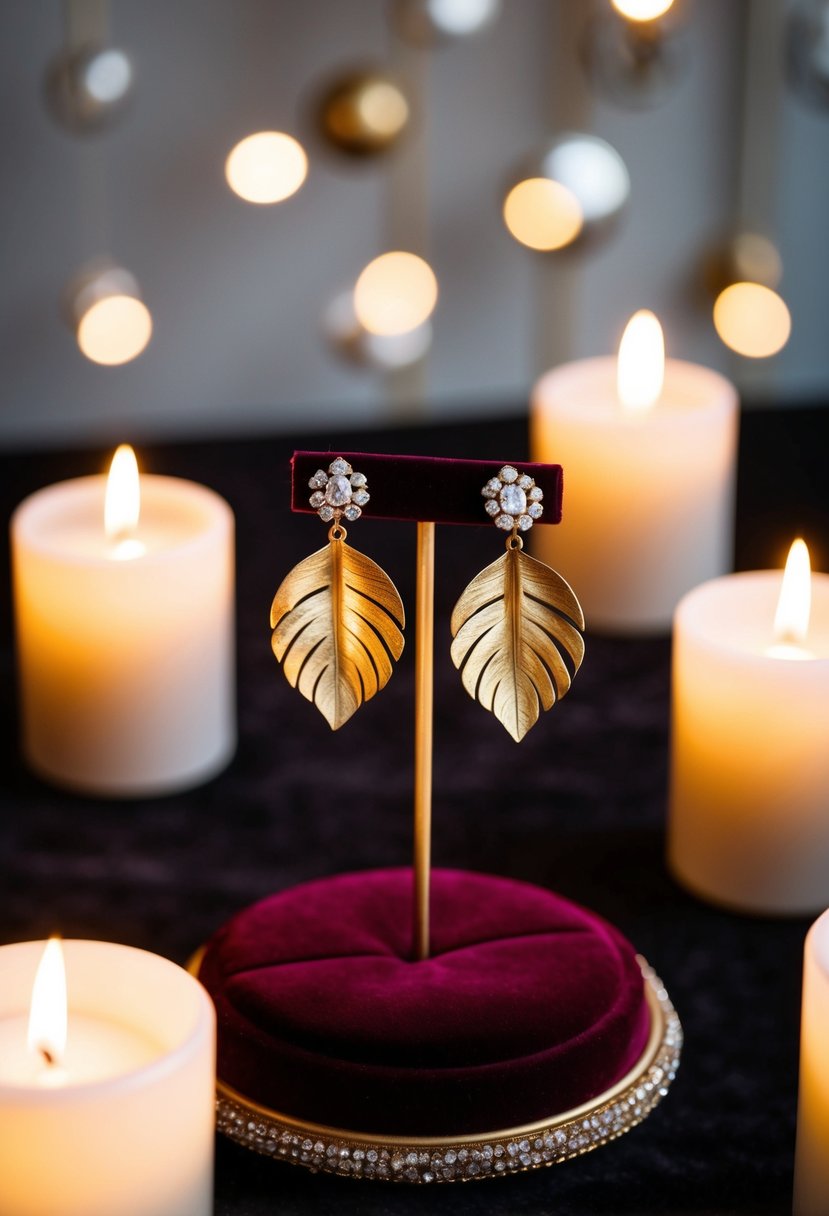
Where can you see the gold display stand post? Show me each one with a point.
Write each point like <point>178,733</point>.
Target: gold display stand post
<point>424,673</point>
<point>401,487</point>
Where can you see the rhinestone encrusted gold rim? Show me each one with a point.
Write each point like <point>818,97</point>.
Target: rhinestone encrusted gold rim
<point>418,1159</point>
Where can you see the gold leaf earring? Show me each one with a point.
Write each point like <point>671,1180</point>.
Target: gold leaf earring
<point>518,621</point>
<point>337,618</point>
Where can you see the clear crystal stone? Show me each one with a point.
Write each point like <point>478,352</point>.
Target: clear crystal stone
<point>361,497</point>
<point>525,481</point>
<point>513,500</point>
<point>525,522</point>
<point>352,512</point>
<point>338,490</point>
<point>317,499</point>
<point>326,514</point>
<point>506,522</point>
<point>318,480</point>
<point>508,474</point>
<point>491,488</point>
<point>535,510</point>
<point>358,479</point>
<point>536,494</point>
<point>491,507</point>
<point>339,466</point>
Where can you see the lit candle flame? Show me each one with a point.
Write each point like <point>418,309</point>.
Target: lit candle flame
<point>640,370</point>
<point>791,620</point>
<point>48,1013</point>
<point>122,504</point>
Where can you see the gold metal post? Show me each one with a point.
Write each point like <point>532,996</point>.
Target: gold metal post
<point>424,666</point>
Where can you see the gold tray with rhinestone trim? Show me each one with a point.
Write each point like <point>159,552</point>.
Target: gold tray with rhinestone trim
<point>422,1159</point>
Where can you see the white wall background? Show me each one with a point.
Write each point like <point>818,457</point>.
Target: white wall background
<point>237,291</point>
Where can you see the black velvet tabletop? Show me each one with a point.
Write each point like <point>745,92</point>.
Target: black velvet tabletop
<point>578,807</point>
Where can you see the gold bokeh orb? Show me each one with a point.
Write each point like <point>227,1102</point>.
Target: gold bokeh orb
<point>395,293</point>
<point>567,195</point>
<point>364,114</point>
<point>542,214</point>
<point>102,305</point>
<point>266,167</point>
<point>642,10</point>
<point>749,313</point>
<point>752,320</point>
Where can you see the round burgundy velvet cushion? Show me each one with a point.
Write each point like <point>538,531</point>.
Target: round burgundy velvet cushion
<point>528,1006</point>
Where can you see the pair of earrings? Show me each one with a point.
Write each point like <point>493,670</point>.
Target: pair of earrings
<point>338,619</point>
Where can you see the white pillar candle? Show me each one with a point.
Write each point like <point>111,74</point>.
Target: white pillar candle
<point>749,787</point>
<point>811,1165</point>
<point>125,642</point>
<point>124,1122</point>
<point>648,486</point>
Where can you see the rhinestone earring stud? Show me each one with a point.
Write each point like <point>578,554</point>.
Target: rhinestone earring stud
<point>517,627</point>
<point>337,618</point>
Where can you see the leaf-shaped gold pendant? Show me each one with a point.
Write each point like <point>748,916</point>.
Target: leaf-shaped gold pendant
<point>337,621</point>
<point>512,627</point>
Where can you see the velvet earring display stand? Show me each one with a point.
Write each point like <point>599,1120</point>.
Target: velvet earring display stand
<point>359,1035</point>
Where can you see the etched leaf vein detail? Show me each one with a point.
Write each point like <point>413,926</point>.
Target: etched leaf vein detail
<point>337,623</point>
<point>514,628</point>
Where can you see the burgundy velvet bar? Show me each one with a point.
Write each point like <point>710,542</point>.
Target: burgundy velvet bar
<point>426,488</point>
<point>529,1005</point>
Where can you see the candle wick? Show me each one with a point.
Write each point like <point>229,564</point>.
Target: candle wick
<point>47,1056</point>
<point>790,637</point>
